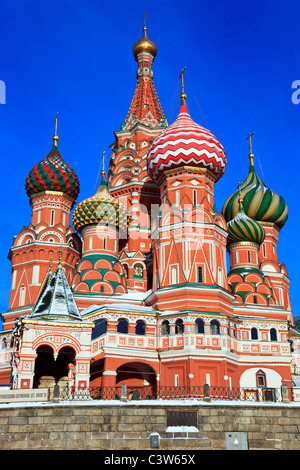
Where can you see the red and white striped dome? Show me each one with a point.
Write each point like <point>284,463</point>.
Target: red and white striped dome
<point>185,143</point>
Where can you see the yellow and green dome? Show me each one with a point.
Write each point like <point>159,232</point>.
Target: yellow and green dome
<point>100,208</point>
<point>241,228</point>
<point>259,202</point>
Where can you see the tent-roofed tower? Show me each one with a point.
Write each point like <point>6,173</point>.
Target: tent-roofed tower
<point>52,187</point>
<point>128,178</point>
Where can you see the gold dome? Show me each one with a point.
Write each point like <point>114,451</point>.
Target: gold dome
<point>144,45</point>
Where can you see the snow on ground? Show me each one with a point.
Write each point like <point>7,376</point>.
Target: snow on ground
<point>158,402</point>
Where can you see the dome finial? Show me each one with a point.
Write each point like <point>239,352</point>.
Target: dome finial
<point>251,156</point>
<point>144,44</point>
<point>103,185</point>
<point>182,95</point>
<point>103,172</point>
<point>55,137</point>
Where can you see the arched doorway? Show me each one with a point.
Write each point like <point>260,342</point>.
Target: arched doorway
<point>50,370</point>
<point>137,376</point>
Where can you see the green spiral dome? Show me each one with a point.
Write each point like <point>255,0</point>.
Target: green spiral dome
<point>259,202</point>
<point>241,228</point>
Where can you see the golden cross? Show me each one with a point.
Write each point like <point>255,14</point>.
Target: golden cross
<point>181,77</point>
<point>249,138</point>
<point>145,18</point>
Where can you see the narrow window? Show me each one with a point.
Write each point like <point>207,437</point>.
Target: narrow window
<point>249,257</point>
<point>176,380</point>
<point>194,197</point>
<point>140,327</point>
<point>165,328</point>
<point>22,296</point>
<point>273,334</point>
<point>264,249</point>
<point>199,326</point>
<point>102,288</point>
<point>177,197</point>
<point>200,274</point>
<point>179,326</point>
<point>255,301</point>
<point>174,276</point>
<point>215,327</point>
<point>261,379</point>
<point>122,326</point>
<point>90,243</point>
<point>254,334</point>
<point>104,243</point>
<point>52,218</point>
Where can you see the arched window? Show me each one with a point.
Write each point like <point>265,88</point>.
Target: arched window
<point>214,327</point>
<point>138,270</point>
<point>140,327</point>
<point>165,328</point>
<point>199,326</point>
<point>100,328</point>
<point>254,333</point>
<point>273,334</point>
<point>179,327</point>
<point>122,325</point>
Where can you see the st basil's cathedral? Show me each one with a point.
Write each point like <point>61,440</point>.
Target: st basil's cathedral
<point>135,288</point>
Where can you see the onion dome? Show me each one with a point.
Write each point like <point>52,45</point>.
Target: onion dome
<point>243,229</point>
<point>185,143</point>
<point>259,202</point>
<point>52,174</point>
<point>101,207</point>
<point>144,45</point>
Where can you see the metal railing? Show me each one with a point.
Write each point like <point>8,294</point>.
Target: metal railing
<point>206,393</point>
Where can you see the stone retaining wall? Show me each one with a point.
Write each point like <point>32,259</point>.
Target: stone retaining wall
<point>125,426</point>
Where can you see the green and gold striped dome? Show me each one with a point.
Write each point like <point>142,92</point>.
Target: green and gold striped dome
<point>259,202</point>
<point>243,229</point>
<point>101,208</point>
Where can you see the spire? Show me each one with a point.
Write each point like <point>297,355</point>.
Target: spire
<point>251,156</point>
<point>55,137</point>
<point>145,106</point>
<point>182,95</point>
<point>103,186</point>
<point>144,44</point>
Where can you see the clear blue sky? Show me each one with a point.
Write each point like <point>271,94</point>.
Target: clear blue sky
<point>75,57</point>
